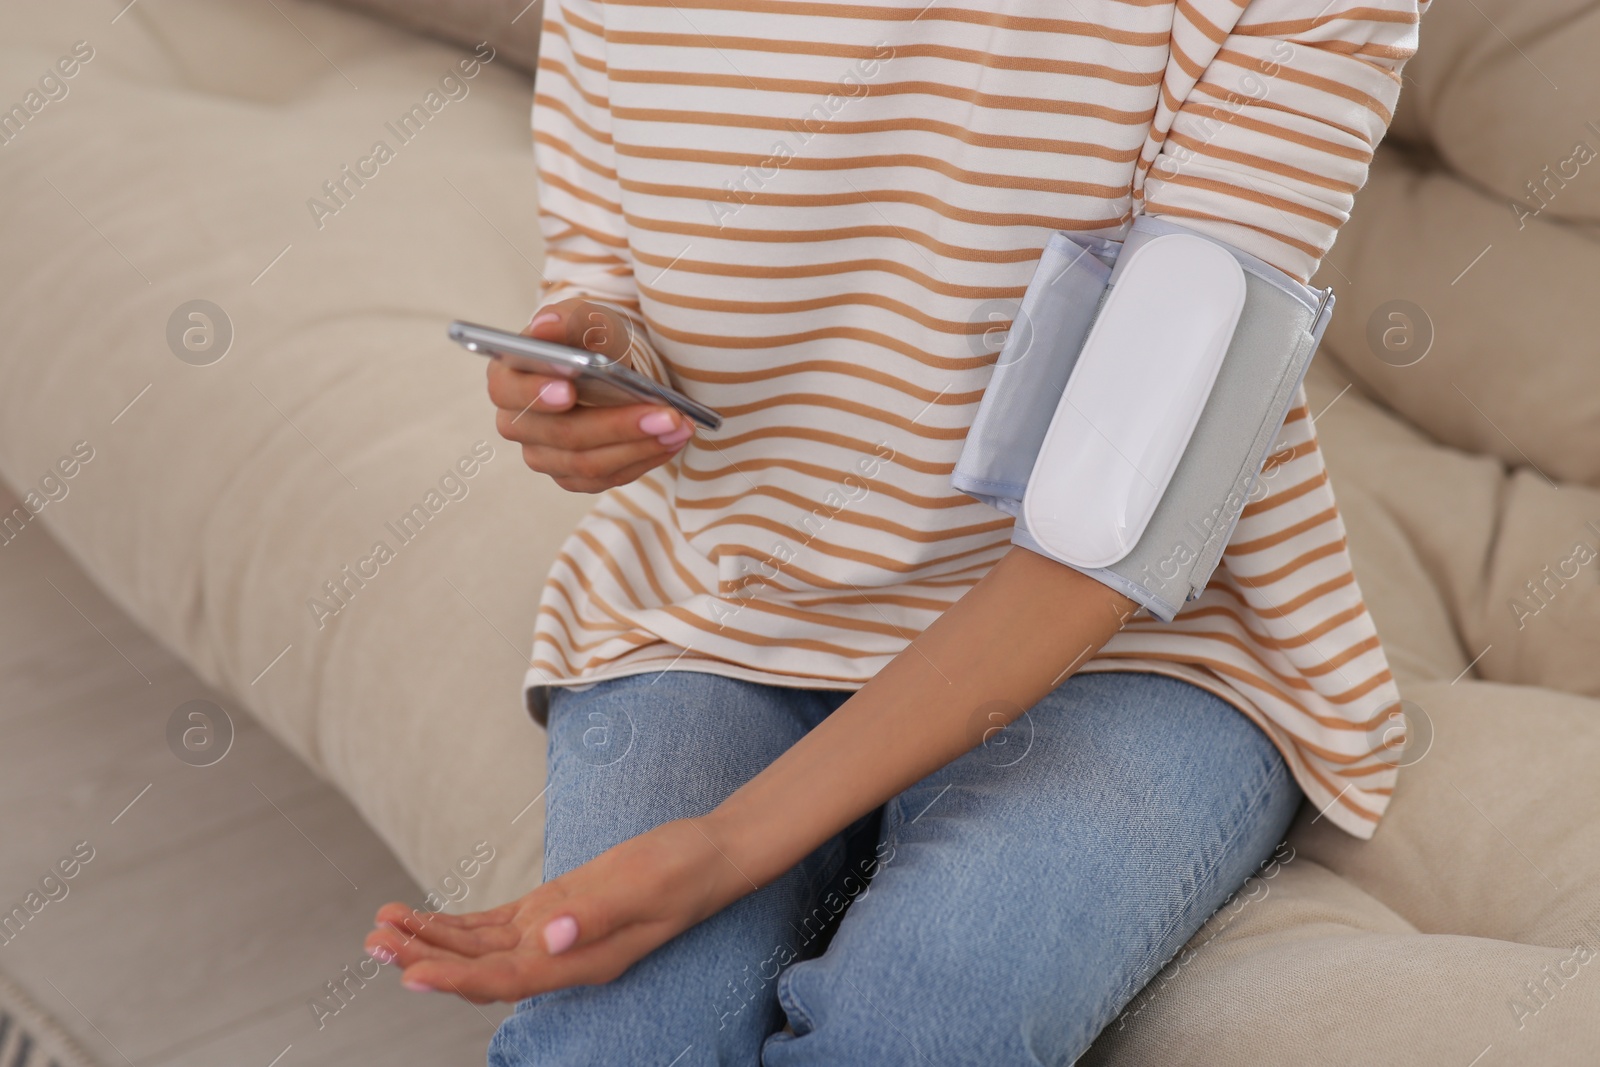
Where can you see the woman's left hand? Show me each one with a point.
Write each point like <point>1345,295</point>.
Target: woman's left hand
<point>584,928</point>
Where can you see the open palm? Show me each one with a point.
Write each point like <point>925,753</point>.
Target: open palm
<point>584,928</point>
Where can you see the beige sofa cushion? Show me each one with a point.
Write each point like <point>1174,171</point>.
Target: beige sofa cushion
<point>1419,946</point>
<point>1457,811</point>
<point>1392,483</point>
<point>1512,377</point>
<point>1511,371</point>
<point>1460,560</point>
<point>510,26</point>
<point>1500,88</point>
<point>1540,611</point>
<point>1513,546</point>
<point>223,499</point>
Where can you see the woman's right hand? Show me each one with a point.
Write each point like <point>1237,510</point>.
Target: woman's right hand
<point>585,449</point>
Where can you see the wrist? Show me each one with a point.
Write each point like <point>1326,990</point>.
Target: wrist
<point>740,868</point>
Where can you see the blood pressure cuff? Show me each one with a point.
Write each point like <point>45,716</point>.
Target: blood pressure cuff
<point>1180,442</point>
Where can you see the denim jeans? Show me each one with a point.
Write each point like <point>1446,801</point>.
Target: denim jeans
<point>1001,911</point>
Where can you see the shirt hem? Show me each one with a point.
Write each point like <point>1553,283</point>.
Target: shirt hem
<point>537,683</point>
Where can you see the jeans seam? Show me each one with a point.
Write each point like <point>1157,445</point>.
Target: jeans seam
<point>791,1004</point>
<point>893,819</point>
<point>1209,867</point>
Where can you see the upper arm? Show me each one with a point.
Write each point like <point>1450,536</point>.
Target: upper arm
<point>580,202</point>
<point>1268,148</point>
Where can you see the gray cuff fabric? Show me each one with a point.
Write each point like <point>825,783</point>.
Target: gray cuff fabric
<point>1278,333</point>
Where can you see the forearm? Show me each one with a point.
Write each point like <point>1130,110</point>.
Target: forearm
<point>992,655</point>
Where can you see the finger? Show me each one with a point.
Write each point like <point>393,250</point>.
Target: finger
<point>597,464</point>
<point>473,941</point>
<point>621,477</point>
<point>447,931</point>
<point>583,428</point>
<point>521,391</point>
<point>584,324</point>
<point>392,910</point>
<point>524,973</point>
<point>395,911</point>
<point>587,907</point>
<point>493,917</point>
<point>499,976</point>
<point>404,918</point>
<point>388,944</point>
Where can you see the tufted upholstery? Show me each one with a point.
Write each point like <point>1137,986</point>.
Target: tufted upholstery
<point>225,496</point>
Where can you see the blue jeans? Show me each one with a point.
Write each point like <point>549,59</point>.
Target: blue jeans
<point>1000,912</point>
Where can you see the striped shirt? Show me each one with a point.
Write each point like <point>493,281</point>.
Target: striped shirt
<point>820,214</point>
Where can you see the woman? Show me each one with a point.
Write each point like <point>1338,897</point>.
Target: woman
<point>838,774</point>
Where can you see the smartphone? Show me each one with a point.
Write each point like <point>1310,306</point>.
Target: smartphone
<point>598,380</point>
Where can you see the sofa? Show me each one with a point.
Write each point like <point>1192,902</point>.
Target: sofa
<point>226,317</point>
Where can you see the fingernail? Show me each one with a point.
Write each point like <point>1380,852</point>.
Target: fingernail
<point>418,987</point>
<point>678,436</point>
<point>657,422</point>
<point>544,317</point>
<point>560,933</point>
<point>557,393</point>
<point>381,954</point>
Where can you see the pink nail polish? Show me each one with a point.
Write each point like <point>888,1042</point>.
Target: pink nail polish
<point>678,436</point>
<point>418,987</point>
<point>559,934</point>
<point>381,954</point>
<point>544,317</point>
<point>556,393</point>
<point>657,422</point>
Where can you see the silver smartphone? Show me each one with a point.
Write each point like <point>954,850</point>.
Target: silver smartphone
<point>597,379</point>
